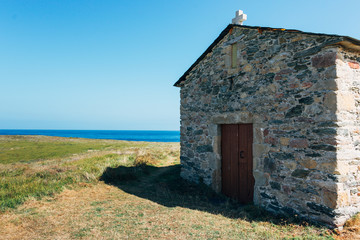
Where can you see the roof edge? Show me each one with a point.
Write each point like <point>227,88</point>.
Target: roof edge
<point>353,43</point>
<point>217,40</point>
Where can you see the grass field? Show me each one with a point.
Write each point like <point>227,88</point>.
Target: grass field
<point>64,188</point>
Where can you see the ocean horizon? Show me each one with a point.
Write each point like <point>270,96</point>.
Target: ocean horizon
<point>127,135</point>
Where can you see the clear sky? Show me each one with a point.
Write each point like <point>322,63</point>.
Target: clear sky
<point>111,64</point>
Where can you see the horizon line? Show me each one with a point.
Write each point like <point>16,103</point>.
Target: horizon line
<point>81,129</point>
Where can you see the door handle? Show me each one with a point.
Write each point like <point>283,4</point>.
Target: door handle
<point>242,154</point>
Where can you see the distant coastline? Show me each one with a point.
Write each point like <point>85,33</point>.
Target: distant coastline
<point>128,135</point>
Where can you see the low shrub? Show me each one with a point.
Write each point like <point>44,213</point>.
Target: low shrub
<point>145,160</point>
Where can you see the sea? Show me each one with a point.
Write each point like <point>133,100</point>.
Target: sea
<point>128,135</point>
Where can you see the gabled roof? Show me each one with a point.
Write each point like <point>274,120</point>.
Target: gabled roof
<point>345,41</point>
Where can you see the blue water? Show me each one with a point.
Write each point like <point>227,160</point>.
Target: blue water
<point>129,135</point>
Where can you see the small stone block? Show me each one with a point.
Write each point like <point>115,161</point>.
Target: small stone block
<point>299,143</point>
<point>354,65</point>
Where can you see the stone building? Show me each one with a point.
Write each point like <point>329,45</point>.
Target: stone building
<point>272,116</point>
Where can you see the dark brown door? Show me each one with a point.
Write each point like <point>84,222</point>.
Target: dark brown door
<point>237,161</point>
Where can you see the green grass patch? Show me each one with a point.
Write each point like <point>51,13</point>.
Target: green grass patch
<point>17,184</point>
<point>14,150</point>
<point>25,169</point>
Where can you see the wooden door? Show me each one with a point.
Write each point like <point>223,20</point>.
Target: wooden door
<point>237,162</point>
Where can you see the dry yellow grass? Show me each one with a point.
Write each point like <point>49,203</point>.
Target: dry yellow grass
<point>156,204</point>
<point>99,211</point>
<point>351,229</point>
<point>146,159</point>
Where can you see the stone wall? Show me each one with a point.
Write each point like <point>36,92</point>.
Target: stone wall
<point>287,85</point>
<point>348,134</point>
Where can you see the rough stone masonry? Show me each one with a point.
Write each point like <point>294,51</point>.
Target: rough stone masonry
<point>301,92</point>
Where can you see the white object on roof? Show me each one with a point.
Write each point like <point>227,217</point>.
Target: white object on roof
<point>240,17</point>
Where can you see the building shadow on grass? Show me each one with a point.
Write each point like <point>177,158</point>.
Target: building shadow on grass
<point>164,186</point>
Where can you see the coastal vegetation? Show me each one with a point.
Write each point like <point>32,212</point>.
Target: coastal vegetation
<point>69,188</point>
<point>36,166</point>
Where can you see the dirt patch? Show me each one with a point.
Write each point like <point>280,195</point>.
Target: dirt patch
<point>59,217</point>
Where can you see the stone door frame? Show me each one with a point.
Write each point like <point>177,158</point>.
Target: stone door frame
<point>259,147</point>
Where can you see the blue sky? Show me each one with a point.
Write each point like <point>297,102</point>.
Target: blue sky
<point>111,64</point>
